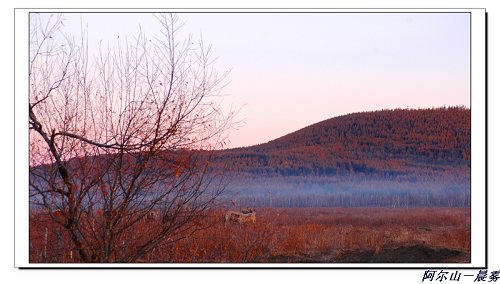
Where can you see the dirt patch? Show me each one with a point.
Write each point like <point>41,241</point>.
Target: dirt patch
<point>302,258</point>
<point>407,254</point>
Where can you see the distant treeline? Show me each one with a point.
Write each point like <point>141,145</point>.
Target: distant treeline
<point>352,191</point>
<point>354,200</point>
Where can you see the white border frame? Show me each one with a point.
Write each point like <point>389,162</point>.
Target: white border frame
<point>478,146</point>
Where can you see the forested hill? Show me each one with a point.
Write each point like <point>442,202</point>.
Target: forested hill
<point>387,142</point>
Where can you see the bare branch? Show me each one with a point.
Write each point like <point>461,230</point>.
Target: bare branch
<point>122,137</point>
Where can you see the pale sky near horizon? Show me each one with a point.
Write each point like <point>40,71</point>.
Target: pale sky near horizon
<point>290,70</point>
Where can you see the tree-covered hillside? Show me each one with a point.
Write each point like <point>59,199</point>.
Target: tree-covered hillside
<point>382,143</point>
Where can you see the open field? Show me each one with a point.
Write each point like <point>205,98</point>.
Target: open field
<point>398,235</point>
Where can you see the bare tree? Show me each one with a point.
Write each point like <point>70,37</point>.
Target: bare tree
<point>120,144</point>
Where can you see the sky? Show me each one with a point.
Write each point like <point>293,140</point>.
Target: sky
<point>290,70</point>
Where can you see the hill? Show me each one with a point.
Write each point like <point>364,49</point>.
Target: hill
<point>385,143</point>
<point>401,157</point>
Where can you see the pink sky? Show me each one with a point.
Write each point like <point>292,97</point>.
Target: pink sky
<point>290,70</point>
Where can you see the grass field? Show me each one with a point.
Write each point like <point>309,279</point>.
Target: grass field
<point>323,235</point>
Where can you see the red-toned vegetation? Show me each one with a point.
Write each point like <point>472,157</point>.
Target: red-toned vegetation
<point>286,235</point>
<point>386,144</point>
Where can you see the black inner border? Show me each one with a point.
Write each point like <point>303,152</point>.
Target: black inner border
<point>289,11</point>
